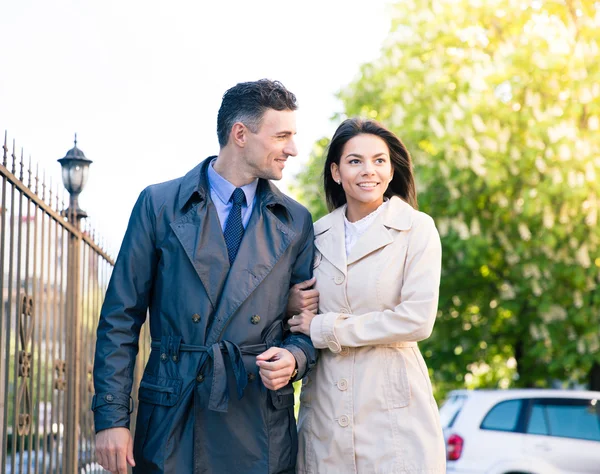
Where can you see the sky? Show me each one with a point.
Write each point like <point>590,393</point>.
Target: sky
<point>140,82</point>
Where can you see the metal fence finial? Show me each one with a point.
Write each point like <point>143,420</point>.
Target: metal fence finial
<point>29,173</point>
<point>50,191</point>
<point>57,199</point>
<point>14,157</point>
<point>21,166</point>
<point>5,149</point>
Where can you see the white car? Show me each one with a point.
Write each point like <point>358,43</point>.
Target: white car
<point>528,431</point>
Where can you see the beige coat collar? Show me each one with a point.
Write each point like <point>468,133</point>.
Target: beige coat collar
<point>329,233</point>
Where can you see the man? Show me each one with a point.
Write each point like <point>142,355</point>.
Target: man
<point>212,255</point>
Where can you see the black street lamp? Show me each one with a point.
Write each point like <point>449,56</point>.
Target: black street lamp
<point>75,167</point>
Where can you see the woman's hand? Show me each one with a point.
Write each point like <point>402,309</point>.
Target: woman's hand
<point>302,297</point>
<point>300,323</point>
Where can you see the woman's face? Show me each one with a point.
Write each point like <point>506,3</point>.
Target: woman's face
<point>364,171</point>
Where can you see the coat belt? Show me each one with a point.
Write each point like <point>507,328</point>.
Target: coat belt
<point>219,393</point>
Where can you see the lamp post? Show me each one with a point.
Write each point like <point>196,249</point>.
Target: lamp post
<point>75,168</point>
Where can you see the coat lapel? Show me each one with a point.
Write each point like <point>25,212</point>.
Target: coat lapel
<point>265,240</point>
<point>199,233</point>
<point>375,237</point>
<point>396,215</point>
<point>330,238</point>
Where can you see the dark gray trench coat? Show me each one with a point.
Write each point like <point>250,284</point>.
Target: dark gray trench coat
<point>202,405</point>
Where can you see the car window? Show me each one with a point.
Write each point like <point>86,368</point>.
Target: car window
<point>450,410</point>
<point>503,417</point>
<point>568,418</point>
<point>537,421</point>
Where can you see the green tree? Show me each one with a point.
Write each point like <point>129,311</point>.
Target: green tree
<point>499,104</point>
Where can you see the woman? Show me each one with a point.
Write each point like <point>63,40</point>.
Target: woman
<point>368,406</point>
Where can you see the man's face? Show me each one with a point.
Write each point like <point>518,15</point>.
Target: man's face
<point>267,150</point>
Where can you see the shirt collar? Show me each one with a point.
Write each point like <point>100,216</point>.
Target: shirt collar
<point>224,189</point>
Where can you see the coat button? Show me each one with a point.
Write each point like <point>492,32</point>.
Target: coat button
<point>339,279</point>
<point>344,421</point>
<point>109,397</point>
<point>200,378</point>
<point>345,351</point>
<point>164,357</point>
<point>344,310</point>
<point>251,377</point>
<point>174,357</point>
<point>342,384</point>
<point>196,318</point>
<point>255,319</point>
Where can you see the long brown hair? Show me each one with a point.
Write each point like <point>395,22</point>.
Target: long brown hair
<point>403,182</point>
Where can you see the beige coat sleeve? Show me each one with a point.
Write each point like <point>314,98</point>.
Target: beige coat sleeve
<point>411,320</point>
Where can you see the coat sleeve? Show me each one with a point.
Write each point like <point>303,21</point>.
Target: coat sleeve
<point>121,318</point>
<point>300,345</point>
<point>411,320</point>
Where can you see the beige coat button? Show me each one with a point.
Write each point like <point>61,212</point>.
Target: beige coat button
<point>344,421</point>
<point>339,279</point>
<point>345,351</point>
<point>342,384</point>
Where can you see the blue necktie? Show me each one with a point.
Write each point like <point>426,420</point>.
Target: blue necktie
<point>234,229</point>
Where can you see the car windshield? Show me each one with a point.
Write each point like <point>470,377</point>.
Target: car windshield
<point>451,408</point>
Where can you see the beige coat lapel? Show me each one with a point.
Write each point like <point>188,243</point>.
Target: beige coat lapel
<point>396,215</point>
<point>330,238</point>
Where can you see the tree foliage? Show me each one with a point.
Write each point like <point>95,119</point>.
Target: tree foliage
<point>499,104</point>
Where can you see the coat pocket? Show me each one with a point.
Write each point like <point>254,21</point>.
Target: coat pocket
<point>396,384</point>
<point>159,390</point>
<point>283,398</point>
<point>283,437</point>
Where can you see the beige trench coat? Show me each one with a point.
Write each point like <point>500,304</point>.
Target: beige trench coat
<point>368,405</point>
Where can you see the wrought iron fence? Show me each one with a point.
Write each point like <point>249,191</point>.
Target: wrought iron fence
<point>53,276</point>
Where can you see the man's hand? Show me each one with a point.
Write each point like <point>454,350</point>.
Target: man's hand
<point>276,367</point>
<point>114,449</point>
<point>300,323</point>
<point>302,297</point>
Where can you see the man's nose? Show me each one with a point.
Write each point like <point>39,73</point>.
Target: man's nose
<point>290,148</point>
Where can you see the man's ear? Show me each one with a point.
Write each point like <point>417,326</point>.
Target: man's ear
<point>239,134</point>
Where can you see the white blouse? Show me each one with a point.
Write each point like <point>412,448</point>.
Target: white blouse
<point>354,230</point>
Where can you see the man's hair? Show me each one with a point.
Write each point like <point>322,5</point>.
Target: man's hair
<point>247,102</point>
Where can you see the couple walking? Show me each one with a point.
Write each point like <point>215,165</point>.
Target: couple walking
<point>246,296</point>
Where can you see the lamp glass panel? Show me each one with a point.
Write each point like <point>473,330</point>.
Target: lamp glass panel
<point>86,170</point>
<point>65,178</point>
<point>76,178</point>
